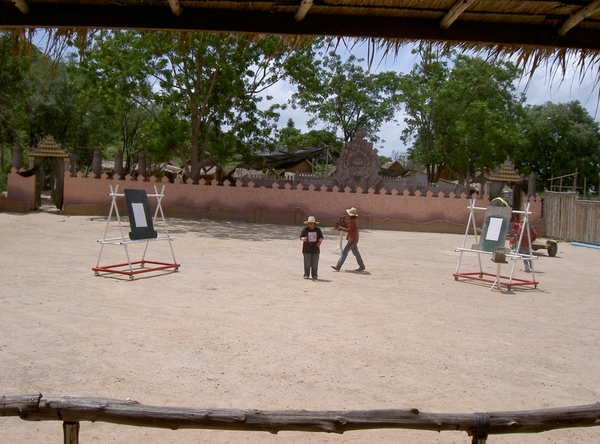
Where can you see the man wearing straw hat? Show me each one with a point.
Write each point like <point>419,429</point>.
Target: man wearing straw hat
<point>311,237</point>
<point>352,244</point>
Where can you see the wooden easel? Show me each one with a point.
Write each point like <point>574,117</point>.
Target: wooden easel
<point>142,225</point>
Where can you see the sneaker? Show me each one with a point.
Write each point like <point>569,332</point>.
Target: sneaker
<point>360,269</point>
<point>315,277</point>
<point>305,277</point>
<point>335,268</point>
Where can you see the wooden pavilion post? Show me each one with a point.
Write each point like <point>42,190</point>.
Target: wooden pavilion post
<point>71,432</point>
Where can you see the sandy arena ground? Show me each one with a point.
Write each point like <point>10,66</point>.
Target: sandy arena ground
<point>238,327</point>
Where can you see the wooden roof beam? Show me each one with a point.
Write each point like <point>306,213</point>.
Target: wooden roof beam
<point>175,7</point>
<point>305,5</point>
<point>579,16</point>
<point>111,16</point>
<point>455,11</point>
<point>21,5</point>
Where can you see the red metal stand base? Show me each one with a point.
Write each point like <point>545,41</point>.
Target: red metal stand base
<point>504,280</point>
<point>131,272</point>
<point>143,219</point>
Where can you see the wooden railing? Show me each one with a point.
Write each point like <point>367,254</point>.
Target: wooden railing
<point>71,411</point>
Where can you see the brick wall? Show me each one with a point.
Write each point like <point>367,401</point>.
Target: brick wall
<point>284,205</point>
<point>21,189</point>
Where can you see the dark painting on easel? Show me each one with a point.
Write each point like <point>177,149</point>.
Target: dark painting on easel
<point>140,217</point>
<point>495,228</point>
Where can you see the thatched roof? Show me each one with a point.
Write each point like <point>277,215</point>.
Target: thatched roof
<point>534,30</point>
<point>560,24</point>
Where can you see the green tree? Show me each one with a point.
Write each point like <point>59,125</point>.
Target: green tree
<point>384,159</point>
<point>465,118</point>
<point>13,73</point>
<point>425,118</point>
<point>208,82</point>
<point>292,139</point>
<point>560,139</point>
<point>42,96</point>
<point>50,107</point>
<point>107,117</point>
<point>93,123</point>
<point>482,114</point>
<point>340,93</point>
<point>115,85</point>
<point>55,102</point>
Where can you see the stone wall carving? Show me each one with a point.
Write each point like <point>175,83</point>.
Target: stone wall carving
<point>358,165</point>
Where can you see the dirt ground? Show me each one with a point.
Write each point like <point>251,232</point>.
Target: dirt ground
<point>238,327</point>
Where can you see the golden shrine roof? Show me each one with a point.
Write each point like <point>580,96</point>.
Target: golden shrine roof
<point>506,173</point>
<point>48,147</point>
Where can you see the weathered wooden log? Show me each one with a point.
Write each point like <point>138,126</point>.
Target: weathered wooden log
<point>337,421</point>
<point>17,404</point>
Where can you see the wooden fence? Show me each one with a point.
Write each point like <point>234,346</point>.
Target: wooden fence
<point>570,218</point>
<point>71,411</point>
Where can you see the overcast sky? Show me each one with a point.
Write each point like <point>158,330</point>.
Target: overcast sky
<point>544,87</point>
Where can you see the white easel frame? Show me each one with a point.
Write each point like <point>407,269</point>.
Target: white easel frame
<point>497,279</point>
<point>340,248</point>
<point>127,268</point>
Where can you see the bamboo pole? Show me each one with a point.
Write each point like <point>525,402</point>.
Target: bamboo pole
<point>129,412</point>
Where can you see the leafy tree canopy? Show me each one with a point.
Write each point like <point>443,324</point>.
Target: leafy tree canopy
<point>560,139</point>
<point>462,113</point>
<point>341,94</point>
<point>292,139</point>
<point>209,83</point>
<point>13,72</point>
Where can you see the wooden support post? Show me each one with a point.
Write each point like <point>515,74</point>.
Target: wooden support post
<point>480,434</point>
<point>71,432</point>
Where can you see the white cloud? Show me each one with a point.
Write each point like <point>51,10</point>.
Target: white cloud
<point>282,92</point>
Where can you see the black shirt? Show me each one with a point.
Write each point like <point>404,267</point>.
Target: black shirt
<point>313,237</point>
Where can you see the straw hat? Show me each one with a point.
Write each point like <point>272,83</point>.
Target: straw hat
<point>352,212</point>
<point>311,219</point>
